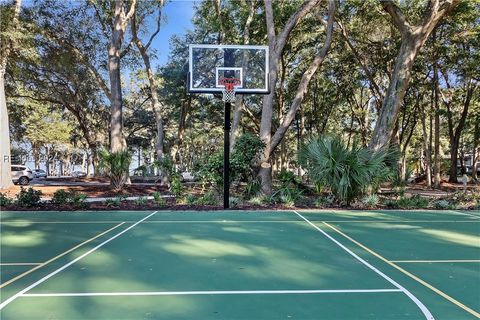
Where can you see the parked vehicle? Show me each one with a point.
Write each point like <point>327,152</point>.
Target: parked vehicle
<point>39,173</point>
<point>78,174</point>
<point>21,174</point>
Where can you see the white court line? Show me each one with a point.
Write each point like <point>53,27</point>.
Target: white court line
<point>6,302</point>
<point>242,221</point>
<point>428,315</point>
<point>197,293</point>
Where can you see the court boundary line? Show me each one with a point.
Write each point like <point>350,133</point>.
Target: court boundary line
<point>213,292</point>
<point>428,315</point>
<point>411,275</point>
<point>21,292</point>
<point>41,265</point>
<point>242,221</point>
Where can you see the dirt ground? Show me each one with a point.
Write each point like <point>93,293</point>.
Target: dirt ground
<point>94,187</point>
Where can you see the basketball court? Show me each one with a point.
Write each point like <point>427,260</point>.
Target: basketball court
<point>240,265</point>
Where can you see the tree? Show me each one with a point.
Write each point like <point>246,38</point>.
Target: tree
<point>414,37</point>
<point>9,27</point>
<point>153,86</point>
<point>277,43</point>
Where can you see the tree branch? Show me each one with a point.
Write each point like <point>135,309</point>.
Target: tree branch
<point>398,18</point>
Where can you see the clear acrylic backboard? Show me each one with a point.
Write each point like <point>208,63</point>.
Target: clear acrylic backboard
<point>208,64</point>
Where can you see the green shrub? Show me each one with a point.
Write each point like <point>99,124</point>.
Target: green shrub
<point>287,177</point>
<point>414,202</point>
<point>156,196</point>
<point>391,204</point>
<point>78,199</point>
<point>115,202</point>
<point>209,169</point>
<point>348,172</point>
<point>209,198</point>
<point>176,187</point>
<point>140,201</point>
<point>115,165</point>
<point>234,202</point>
<point>61,197</point>
<point>28,198</point>
<point>4,200</point>
<point>287,195</point>
<point>159,200</point>
<point>371,200</point>
<point>443,204</point>
<point>257,200</point>
<point>252,188</point>
<point>323,201</point>
<point>191,199</point>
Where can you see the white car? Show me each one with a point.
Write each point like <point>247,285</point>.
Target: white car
<point>21,174</point>
<point>39,173</point>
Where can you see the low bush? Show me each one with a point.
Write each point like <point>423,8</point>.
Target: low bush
<point>209,198</point>
<point>191,199</point>
<point>371,201</point>
<point>4,200</point>
<point>28,198</point>
<point>443,204</point>
<point>252,189</point>
<point>414,202</point>
<point>112,203</point>
<point>234,202</point>
<point>115,165</point>
<point>141,201</point>
<point>325,201</point>
<point>176,187</point>
<point>349,172</point>
<point>287,195</point>
<point>159,200</point>
<point>63,197</point>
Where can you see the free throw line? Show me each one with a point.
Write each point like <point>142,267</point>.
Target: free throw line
<point>6,302</point>
<point>428,315</point>
<point>414,277</point>
<point>40,265</point>
<point>185,293</point>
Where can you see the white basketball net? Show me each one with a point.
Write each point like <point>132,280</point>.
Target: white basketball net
<point>229,88</point>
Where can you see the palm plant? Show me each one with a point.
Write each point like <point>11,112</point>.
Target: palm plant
<point>348,172</point>
<point>115,165</point>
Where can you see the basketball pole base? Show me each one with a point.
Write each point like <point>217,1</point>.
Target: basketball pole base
<point>226,157</point>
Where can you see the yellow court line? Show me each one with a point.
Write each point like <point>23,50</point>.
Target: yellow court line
<point>58,256</point>
<point>441,293</point>
<point>20,264</point>
<point>434,261</point>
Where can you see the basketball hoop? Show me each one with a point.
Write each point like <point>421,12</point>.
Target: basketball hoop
<point>229,88</point>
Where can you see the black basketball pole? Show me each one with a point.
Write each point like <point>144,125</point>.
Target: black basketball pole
<point>226,157</point>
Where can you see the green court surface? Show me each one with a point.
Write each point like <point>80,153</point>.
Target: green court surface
<point>240,265</point>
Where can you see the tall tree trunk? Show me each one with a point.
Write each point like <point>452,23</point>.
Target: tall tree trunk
<point>437,159</point>
<point>5,156</point>
<point>456,133</point>
<point>121,18</point>
<point>276,45</point>
<point>156,106</point>
<point>427,151</point>
<point>413,38</point>
<point>476,153</point>
<point>237,116</point>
